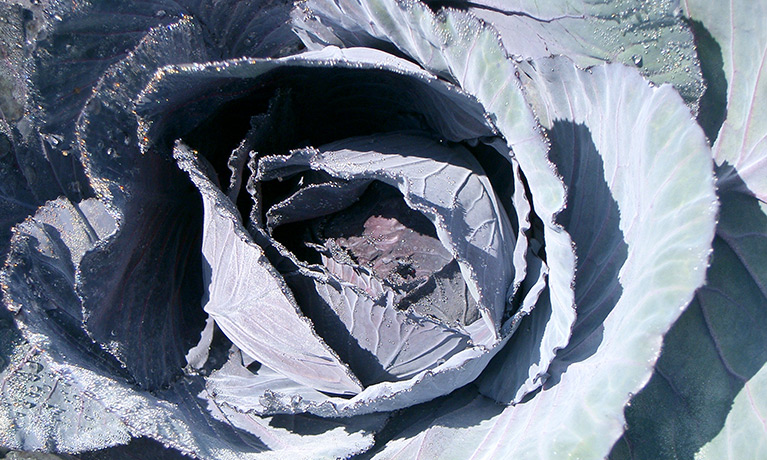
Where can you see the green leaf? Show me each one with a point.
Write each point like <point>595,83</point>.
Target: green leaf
<point>651,36</point>
<point>740,29</point>
<point>717,347</point>
<point>744,432</point>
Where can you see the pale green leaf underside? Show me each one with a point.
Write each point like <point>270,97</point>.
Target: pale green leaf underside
<point>656,163</point>
<point>740,29</point>
<point>733,304</point>
<point>713,350</point>
<point>744,435</point>
<point>649,35</point>
<point>697,399</point>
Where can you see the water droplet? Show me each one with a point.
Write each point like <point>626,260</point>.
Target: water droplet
<point>53,139</point>
<point>637,60</point>
<point>35,367</point>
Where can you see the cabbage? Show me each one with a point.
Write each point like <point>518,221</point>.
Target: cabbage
<point>383,229</point>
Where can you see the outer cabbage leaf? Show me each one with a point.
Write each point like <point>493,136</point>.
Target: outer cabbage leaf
<point>256,28</point>
<point>146,192</point>
<point>62,393</point>
<point>733,308</point>
<point>54,53</point>
<point>81,40</point>
<point>651,36</point>
<point>657,169</point>
<point>256,391</point>
<point>739,30</point>
<point>16,199</point>
<point>86,88</point>
<point>56,393</point>
<point>710,356</point>
<point>106,127</point>
<point>303,436</point>
<point>14,78</point>
<point>66,46</point>
<point>201,89</point>
<point>159,230</point>
<point>20,167</point>
<point>743,434</point>
<point>714,349</point>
